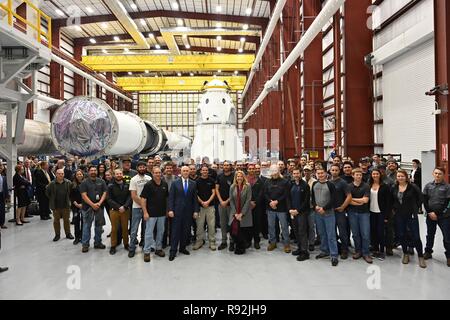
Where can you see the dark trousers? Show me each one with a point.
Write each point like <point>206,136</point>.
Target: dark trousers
<point>377,231</point>
<point>181,231</point>
<point>167,231</point>
<point>402,224</point>
<point>264,223</point>
<point>2,209</point>
<point>44,209</point>
<point>389,233</point>
<point>242,239</point>
<point>300,226</point>
<point>257,224</point>
<point>78,223</point>
<point>444,225</point>
<point>342,226</point>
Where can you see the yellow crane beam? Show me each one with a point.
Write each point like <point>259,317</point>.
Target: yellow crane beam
<point>175,83</point>
<point>161,63</point>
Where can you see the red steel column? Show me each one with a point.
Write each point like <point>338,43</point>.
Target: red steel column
<point>359,140</point>
<point>313,74</point>
<point>56,70</point>
<point>442,38</point>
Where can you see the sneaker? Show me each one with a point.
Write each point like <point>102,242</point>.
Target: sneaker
<point>322,256</point>
<point>160,253</point>
<point>257,246</point>
<point>405,259</point>
<point>212,247</point>
<point>311,247</point>
<point>422,262</point>
<point>84,249</point>
<point>381,256</point>
<point>287,249</point>
<point>99,246</point>
<point>146,257</point>
<point>334,262</point>
<point>272,246</point>
<point>303,257</point>
<point>357,255</point>
<point>428,256</point>
<point>112,251</point>
<point>130,254</point>
<point>197,245</point>
<point>232,247</point>
<point>368,259</point>
<point>344,255</point>
<point>223,245</point>
<point>70,236</point>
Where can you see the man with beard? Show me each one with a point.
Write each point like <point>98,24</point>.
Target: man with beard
<point>223,184</point>
<point>137,184</point>
<point>93,191</point>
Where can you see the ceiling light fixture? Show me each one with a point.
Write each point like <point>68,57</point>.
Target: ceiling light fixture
<point>219,38</point>
<point>243,39</point>
<point>130,73</point>
<point>58,11</point>
<point>219,25</point>
<point>245,27</point>
<point>175,6</point>
<point>157,46</point>
<point>92,40</point>
<point>240,50</point>
<point>143,22</point>
<point>219,49</point>
<point>89,9</point>
<point>192,74</point>
<point>116,38</point>
<point>179,74</point>
<point>219,8</point>
<point>105,51</point>
<point>248,11</point>
<point>180,22</point>
<point>188,46</point>
<point>133,6</point>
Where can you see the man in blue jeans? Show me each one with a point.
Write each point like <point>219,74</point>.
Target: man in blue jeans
<point>154,205</point>
<point>323,198</point>
<point>93,192</point>
<point>276,195</point>
<point>359,216</point>
<point>137,184</point>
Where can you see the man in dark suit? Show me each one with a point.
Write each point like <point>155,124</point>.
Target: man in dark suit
<point>41,180</point>
<point>183,205</point>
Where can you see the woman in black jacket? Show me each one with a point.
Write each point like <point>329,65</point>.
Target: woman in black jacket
<point>407,199</point>
<point>380,205</point>
<point>77,201</point>
<point>23,199</point>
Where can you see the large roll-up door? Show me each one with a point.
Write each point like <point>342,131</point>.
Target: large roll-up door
<point>409,125</point>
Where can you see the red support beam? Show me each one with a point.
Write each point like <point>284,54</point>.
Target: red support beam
<point>337,81</point>
<point>442,43</point>
<point>358,131</point>
<point>312,79</point>
<point>170,14</point>
<point>56,70</point>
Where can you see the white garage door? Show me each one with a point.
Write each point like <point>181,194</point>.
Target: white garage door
<point>409,126</point>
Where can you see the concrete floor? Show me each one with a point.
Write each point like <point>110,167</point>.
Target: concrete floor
<point>42,269</point>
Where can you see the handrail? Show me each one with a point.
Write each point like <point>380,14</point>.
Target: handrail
<point>37,27</point>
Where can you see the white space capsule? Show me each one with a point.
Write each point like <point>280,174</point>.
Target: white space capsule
<point>216,135</point>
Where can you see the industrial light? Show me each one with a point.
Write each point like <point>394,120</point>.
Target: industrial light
<point>116,38</point>
<point>188,46</point>
<point>58,11</point>
<point>245,27</point>
<point>179,22</point>
<point>192,74</point>
<point>105,51</point>
<point>146,71</point>
<point>175,6</point>
<point>179,74</point>
<point>240,50</point>
<point>219,71</point>
<point>89,9</point>
<point>104,25</point>
<point>130,73</point>
<point>143,22</point>
<point>248,11</point>
<point>243,39</point>
<point>219,38</point>
<point>236,72</point>
<point>219,8</point>
<point>218,25</point>
<point>219,48</point>
<point>156,76</point>
<point>92,40</point>
<point>157,46</point>
<point>126,50</point>
<point>133,6</point>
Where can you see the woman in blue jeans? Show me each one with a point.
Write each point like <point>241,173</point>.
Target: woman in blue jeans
<point>407,199</point>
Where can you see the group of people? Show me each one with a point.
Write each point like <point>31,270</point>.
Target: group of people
<point>307,203</point>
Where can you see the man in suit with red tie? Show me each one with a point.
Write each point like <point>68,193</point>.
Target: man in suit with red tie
<point>183,205</point>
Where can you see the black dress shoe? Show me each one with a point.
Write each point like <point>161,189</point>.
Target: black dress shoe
<point>130,254</point>
<point>25,221</point>
<point>171,258</point>
<point>4,227</point>
<point>184,251</point>
<point>70,236</point>
<point>232,247</point>
<point>76,241</point>
<point>3,269</point>
<point>257,246</point>
<point>45,218</point>
<point>296,252</point>
<point>127,247</point>
<point>56,238</point>
<point>112,251</point>
<point>99,246</point>
<point>141,243</point>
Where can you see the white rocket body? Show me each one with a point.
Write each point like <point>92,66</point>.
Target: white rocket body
<point>216,135</point>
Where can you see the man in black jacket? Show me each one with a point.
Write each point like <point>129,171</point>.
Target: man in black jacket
<point>299,211</point>
<point>119,200</point>
<point>276,195</point>
<point>323,198</point>
<point>41,180</point>
<point>257,184</point>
